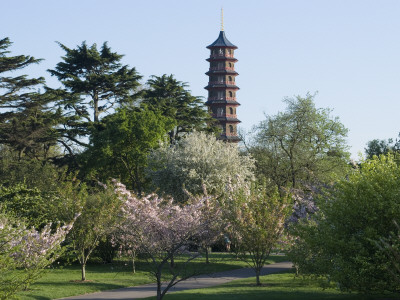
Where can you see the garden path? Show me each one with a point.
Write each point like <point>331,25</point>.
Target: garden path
<point>197,282</point>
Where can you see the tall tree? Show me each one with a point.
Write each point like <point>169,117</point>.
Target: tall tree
<point>94,82</point>
<point>27,120</point>
<point>379,147</point>
<point>174,100</point>
<point>300,146</point>
<point>120,148</point>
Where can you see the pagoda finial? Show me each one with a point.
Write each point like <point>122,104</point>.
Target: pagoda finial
<point>222,19</point>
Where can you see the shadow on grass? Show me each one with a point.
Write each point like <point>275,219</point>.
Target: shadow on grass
<point>37,297</point>
<point>282,286</point>
<point>270,295</point>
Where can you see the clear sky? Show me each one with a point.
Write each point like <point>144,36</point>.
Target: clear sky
<point>348,51</point>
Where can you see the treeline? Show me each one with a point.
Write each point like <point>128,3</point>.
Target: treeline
<point>100,111</point>
<point>61,148</point>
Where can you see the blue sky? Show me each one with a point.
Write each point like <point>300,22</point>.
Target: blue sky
<point>348,51</point>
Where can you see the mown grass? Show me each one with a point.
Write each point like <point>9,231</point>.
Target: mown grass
<point>283,286</point>
<point>61,282</point>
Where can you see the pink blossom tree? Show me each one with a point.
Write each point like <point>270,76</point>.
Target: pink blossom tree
<point>163,230</point>
<point>28,250</point>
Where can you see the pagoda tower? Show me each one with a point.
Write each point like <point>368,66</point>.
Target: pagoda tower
<point>222,87</point>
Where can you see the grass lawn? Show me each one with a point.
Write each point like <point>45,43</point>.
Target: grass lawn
<point>64,282</point>
<point>283,286</point>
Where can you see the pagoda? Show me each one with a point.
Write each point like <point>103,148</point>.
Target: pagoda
<point>222,87</point>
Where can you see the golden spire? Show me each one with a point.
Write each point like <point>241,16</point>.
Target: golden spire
<point>222,19</point>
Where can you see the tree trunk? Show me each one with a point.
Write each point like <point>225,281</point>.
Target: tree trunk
<point>137,180</point>
<point>83,267</point>
<point>133,264</point>
<point>96,107</point>
<point>258,277</point>
<point>159,294</point>
<point>172,262</point>
<point>207,260</point>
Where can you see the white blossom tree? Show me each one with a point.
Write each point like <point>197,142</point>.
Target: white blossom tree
<point>163,230</point>
<point>199,160</point>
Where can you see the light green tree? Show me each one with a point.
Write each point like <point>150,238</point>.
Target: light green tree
<point>302,145</point>
<point>255,219</point>
<point>339,242</point>
<point>97,218</point>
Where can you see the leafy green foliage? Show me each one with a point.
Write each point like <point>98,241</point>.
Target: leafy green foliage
<point>25,203</point>
<point>379,147</point>
<point>98,214</point>
<point>95,82</point>
<point>120,146</point>
<point>256,221</point>
<point>172,99</point>
<point>27,120</point>
<point>340,242</point>
<point>34,173</point>
<point>391,247</point>
<point>37,205</point>
<point>300,146</point>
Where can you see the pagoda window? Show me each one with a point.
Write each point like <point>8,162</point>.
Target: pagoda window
<point>220,94</point>
<point>230,94</point>
<point>220,51</point>
<point>220,66</point>
<point>220,79</point>
<point>231,129</point>
<point>230,78</point>
<point>231,110</point>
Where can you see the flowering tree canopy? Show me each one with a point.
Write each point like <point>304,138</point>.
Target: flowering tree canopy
<point>163,230</point>
<point>195,161</point>
<point>27,249</point>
